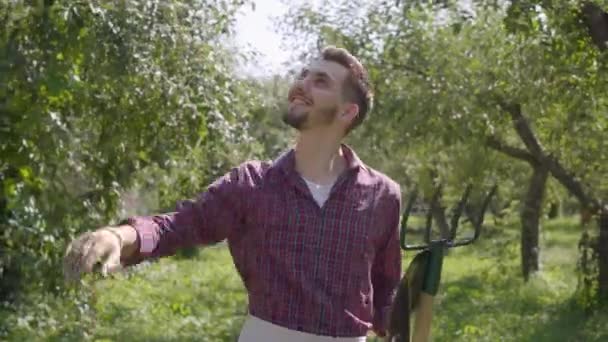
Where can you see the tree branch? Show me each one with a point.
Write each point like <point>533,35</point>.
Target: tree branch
<point>511,151</point>
<point>523,129</point>
<point>570,182</point>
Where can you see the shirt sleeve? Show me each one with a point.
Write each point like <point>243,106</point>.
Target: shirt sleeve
<point>386,270</point>
<point>216,213</point>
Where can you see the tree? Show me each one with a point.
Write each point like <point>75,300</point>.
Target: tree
<point>455,81</point>
<point>91,94</point>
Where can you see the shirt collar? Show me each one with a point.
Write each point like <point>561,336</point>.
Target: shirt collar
<point>287,162</point>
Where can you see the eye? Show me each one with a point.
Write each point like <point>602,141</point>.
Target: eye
<point>320,81</point>
<point>302,74</point>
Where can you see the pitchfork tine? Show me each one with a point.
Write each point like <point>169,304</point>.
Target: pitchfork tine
<point>484,206</point>
<point>406,215</point>
<point>458,209</point>
<point>429,215</point>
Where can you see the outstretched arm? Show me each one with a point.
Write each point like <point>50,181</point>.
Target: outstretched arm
<point>216,214</point>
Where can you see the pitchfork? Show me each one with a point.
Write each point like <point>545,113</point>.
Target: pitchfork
<point>420,283</point>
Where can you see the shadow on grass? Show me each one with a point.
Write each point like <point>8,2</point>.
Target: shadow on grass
<point>496,307</point>
<point>569,323</point>
<point>561,233</point>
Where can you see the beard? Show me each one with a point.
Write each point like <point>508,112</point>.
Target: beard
<point>295,119</point>
<point>301,119</point>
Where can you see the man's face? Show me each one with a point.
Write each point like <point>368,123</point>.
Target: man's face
<point>316,95</point>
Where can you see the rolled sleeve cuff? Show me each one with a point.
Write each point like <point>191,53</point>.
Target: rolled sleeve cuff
<point>147,233</point>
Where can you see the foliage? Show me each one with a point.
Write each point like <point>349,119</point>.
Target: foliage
<point>114,108</point>
<point>94,92</point>
<point>441,74</point>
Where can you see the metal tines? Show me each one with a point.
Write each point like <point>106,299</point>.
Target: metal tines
<point>456,213</point>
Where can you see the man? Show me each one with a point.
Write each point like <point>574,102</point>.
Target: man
<point>313,234</point>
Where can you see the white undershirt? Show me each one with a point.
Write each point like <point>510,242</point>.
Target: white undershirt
<point>257,330</point>
<point>319,192</point>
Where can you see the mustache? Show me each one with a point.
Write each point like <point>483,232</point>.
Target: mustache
<point>299,93</point>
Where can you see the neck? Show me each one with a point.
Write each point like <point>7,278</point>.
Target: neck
<point>319,157</point>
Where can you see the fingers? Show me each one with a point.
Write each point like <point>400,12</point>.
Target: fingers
<point>74,253</point>
<point>112,264</point>
<point>92,255</point>
<point>82,255</point>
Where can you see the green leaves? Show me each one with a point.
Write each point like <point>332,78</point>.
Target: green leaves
<point>440,90</point>
<point>96,95</point>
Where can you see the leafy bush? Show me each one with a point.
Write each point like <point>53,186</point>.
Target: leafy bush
<point>95,97</point>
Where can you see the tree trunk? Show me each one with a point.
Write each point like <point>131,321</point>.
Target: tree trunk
<point>10,273</point>
<point>437,210</point>
<point>530,221</point>
<point>438,213</point>
<point>597,23</point>
<point>602,247</point>
<point>554,209</point>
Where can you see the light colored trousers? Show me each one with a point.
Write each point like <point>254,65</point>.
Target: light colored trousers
<point>257,330</point>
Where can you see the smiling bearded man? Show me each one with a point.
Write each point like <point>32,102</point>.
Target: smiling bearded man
<point>314,234</point>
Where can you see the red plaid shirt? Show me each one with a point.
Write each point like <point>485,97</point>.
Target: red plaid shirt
<point>327,271</point>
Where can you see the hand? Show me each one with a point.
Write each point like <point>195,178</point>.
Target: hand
<point>380,333</point>
<point>101,246</point>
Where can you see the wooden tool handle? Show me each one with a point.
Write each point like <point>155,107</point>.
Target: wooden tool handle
<point>423,318</point>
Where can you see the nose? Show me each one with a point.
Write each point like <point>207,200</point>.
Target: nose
<point>303,83</point>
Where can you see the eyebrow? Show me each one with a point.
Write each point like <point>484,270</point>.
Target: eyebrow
<point>317,73</point>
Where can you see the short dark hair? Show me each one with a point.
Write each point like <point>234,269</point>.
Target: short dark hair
<point>357,85</point>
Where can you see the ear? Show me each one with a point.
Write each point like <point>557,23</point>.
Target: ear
<point>349,112</point>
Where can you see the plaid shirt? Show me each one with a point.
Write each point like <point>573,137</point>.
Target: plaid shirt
<point>327,271</point>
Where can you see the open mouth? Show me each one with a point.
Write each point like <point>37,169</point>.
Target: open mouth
<point>299,100</point>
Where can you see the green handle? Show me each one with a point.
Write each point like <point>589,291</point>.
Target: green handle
<point>432,276</point>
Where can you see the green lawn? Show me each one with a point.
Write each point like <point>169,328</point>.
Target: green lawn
<point>482,298</point>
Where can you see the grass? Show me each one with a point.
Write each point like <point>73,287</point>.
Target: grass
<point>200,299</point>
<point>482,298</point>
